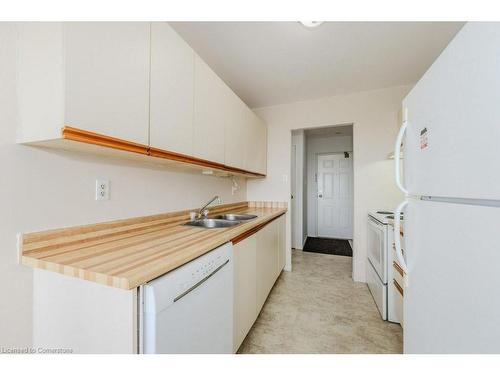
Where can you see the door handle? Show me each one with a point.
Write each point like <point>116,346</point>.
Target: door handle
<point>320,195</point>
<point>397,153</point>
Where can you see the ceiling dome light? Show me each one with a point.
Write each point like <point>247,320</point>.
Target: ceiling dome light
<point>311,24</point>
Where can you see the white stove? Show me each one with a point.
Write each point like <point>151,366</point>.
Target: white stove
<point>379,253</point>
<point>383,216</point>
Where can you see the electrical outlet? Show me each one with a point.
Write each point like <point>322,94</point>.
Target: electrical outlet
<point>101,190</point>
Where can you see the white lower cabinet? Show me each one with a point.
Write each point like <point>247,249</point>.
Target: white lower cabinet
<point>245,288</point>
<point>281,244</point>
<point>258,261</point>
<point>82,317</point>
<point>267,261</point>
<point>87,317</point>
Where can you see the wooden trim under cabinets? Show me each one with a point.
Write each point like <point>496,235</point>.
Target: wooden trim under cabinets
<point>242,171</point>
<point>79,135</point>
<point>252,231</point>
<point>398,287</point>
<point>164,154</point>
<point>170,155</point>
<point>84,136</point>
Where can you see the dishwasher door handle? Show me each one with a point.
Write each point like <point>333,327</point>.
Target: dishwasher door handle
<point>185,293</point>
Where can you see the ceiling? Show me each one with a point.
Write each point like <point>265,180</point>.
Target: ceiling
<point>268,63</point>
<point>330,131</point>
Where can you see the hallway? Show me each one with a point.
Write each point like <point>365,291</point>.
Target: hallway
<point>317,308</point>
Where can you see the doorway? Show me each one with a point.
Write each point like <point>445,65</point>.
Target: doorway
<point>322,189</point>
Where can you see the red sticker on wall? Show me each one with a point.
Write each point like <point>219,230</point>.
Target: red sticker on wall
<point>424,140</point>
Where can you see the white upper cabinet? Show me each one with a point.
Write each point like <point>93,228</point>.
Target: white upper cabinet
<point>135,81</point>
<point>256,150</point>
<point>91,76</point>
<point>40,81</point>
<point>107,78</point>
<point>172,90</point>
<point>246,143</point>
<point>210,113</point>
<point>261,147</point>
<point>236,140</point>
<point>267,255</point>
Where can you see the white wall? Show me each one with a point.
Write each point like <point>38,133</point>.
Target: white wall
<point>42,189</point>
<point>319,145</point>
<point>374,117</point>
<point>299,210</point>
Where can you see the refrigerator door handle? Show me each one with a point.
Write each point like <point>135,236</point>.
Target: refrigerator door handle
<point>397,160</point>
<point>397,239</point>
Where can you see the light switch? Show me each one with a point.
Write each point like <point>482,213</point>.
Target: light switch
<point>101,190</point>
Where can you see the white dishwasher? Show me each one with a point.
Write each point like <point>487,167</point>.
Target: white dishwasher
<point>190,309</point>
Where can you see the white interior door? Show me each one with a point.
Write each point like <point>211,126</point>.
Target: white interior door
<point>335,198</point>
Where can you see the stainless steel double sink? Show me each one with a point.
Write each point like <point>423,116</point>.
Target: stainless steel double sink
<point>221,221</point>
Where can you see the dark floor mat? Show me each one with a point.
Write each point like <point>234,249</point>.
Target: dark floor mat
<point>328,246</point>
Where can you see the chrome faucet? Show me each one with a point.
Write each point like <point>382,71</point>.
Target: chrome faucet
<point>203,212</point>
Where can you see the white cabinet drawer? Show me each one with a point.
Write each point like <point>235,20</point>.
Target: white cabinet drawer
<point>377,289</point>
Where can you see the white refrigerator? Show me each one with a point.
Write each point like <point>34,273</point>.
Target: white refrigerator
<point>451,254</point>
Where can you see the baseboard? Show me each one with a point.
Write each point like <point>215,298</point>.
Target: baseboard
<point>303,244</point>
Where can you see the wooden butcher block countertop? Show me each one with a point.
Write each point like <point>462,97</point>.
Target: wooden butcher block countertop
<point>127,253</point>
